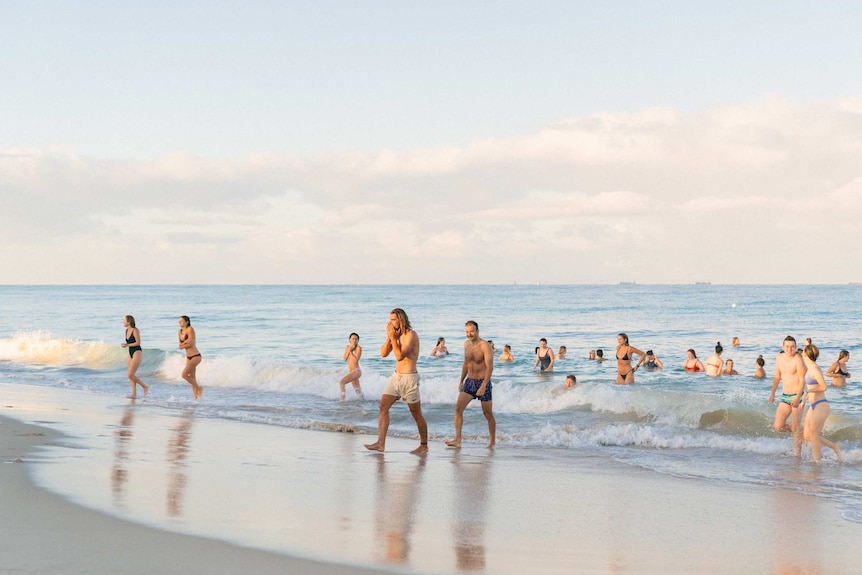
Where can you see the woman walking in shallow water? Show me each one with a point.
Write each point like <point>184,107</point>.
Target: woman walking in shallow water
<point>352,354</point>
<point>815,419</point>
<point>188,342</point>
<point>625,355</point>
<point>136,355</point>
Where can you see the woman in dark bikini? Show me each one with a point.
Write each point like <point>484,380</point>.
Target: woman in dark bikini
<point>186,336</point>
<point>815,419</point>
<point>544,356</point>
<point>692,363</point>
<point>625,355</point>
<point>136,355</point>
<point>838,370</point>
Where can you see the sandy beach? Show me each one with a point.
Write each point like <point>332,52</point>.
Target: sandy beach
<point>96,484</point>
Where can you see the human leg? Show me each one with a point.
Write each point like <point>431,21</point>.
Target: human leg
<point>461,404</point>
<point>190,375</point>
<point>386,402</point>
<point>488,411</point>
<point>134,380</point>
<point>782,412</point>
<point>421,425</point>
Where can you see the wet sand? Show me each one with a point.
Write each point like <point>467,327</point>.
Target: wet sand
<point>144,490</point>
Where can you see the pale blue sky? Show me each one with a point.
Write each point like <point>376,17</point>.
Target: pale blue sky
<point>308,107</point>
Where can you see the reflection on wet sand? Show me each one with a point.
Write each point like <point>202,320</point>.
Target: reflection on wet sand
<point>178,450</point>
<point>395,511</point>
<point>472,489</point>
<point>794,541</point>
<point>119,471</point>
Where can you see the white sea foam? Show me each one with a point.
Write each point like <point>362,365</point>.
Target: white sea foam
<point>40,348</point>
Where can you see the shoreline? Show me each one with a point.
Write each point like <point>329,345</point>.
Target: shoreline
<point>184,484</point>
<point>45,533</point>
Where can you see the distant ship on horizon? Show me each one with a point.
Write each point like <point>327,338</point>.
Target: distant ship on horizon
<point>631,283</point>
<point>706,283</point>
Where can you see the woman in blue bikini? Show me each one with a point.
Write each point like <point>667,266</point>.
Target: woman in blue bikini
<point>815,419</point>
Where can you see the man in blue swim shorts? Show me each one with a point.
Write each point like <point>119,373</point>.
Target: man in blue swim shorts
<point>475,382</point>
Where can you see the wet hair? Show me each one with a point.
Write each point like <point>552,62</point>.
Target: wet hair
<point>807,341</point>
<point>625,337</point>
<point>572,377</point>
<point>600,353</point>
<point>543,340</point>
<point>402,317</point>
<point>693,353</point>
<point>718,348</point>
<point>186,319</point>
<point>131,320</point>
<point>352,334</point>
<point>760,361</point>
<point>728,360</point>
<point>812,352</point>
<point>507,347</point>
<point>843,353</point>
<point>440,340</point>
<point>563,348</point>
<point>790,338</point>
<point>649,352</point>
<point>473,323</point>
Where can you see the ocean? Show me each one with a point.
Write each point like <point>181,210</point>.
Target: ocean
<point>272,355</point>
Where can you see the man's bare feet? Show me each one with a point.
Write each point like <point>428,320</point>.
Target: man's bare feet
<point>421,450</point>
<point>456,443</point>
<point>375,446</point>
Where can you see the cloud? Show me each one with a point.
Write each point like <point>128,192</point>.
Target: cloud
<point>600,197</point>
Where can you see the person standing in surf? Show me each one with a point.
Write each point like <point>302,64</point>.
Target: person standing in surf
<point>789,370</point>
<point>819,407</point>
<point>136,356</point>
<point>404,383</point>
<point>188,343</point>
<point>352,353</point>
<point>625,354</point>
<point>475,383</point>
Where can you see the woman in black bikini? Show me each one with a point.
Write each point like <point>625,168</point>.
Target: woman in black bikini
<point>136,355</point>
<point>544,356</point>
<point>625,355</point>
<point>186,336</point>
<point>838,370</point>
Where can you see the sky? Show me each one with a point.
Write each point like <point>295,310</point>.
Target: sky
<point>445,142</point>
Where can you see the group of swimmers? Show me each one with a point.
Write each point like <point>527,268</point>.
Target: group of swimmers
<point>187,342</point>
<point>801,378</point>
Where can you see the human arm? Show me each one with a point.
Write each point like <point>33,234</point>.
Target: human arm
<point>658,363</point>
<point>386,348</point>
<point>799,374</point>
<point>635,351</point>
<point>776,377</point>
<point>464,369</point>
<point>189,341</point>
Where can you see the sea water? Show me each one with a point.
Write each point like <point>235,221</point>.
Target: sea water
<point>273,355</point>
